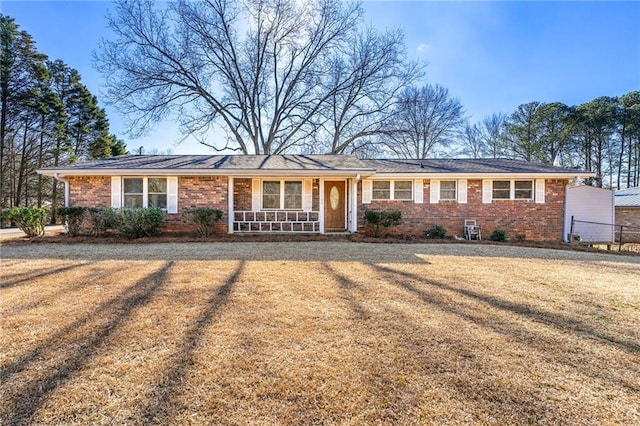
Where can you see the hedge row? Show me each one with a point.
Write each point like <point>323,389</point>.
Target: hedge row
<point>133,223</point>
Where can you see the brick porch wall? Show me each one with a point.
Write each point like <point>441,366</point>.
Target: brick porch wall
<point>522,219</point>
<point>242,202</point>
<point>242,194</point>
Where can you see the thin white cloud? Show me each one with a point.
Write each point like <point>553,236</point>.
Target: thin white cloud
<point>423,47</point>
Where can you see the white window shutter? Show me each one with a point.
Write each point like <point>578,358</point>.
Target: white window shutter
<point>487,191</point>
<point>116,192</point>
<point>255,195</point>
<point>462,191</point>
<point>434,195</point>
<point>172,194</point>
<point>367,189</point>
<point>540,191</point>
<point>307,195</point>
<point>418,191</point>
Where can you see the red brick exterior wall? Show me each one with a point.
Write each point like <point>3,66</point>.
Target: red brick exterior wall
<point>242,194</point>
<point>629,217</point>
<point>200,191</point>
<point>90,191</point>
<point>521,219</point>
<point>193,191</point>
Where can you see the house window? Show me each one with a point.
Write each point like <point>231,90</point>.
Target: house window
<point>293,195</point>
<point>281,195</point>
<point>512,190</point>
<point>133,193</point>
<point>144,192</point>
<point>501,189</point>
<point>271,194</point>
<point>392,190</point>
<point>447,189</point>
<point>402,190</point>
<point>381,190</point>
<point>523,190</point>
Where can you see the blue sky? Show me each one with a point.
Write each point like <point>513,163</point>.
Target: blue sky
<point>493,56</point>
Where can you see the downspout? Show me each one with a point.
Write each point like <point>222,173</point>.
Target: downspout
<point>66,187</point>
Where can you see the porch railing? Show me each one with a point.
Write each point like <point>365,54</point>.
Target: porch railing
<point>276,221</point>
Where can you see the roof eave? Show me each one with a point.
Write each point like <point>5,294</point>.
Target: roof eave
<point>491,175</point>
<point>206,172</point>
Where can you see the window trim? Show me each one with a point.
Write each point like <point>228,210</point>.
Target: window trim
<point>392,190</point>
<point>512,189</point>
<point>282,194</point>
<point>145,191</point>
<point>455,190</point>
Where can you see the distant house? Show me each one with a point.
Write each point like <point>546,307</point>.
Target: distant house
<point>627,202</point>
<point>329,193</point>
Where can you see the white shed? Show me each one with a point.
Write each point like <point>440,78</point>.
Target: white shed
<point>592,211</point>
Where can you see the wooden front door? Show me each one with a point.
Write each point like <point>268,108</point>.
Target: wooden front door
<point>334,205</point>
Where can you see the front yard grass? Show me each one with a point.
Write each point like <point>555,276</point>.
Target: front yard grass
<point>317,333</point>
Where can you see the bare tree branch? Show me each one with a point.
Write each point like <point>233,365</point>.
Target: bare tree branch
<point>268,72</point>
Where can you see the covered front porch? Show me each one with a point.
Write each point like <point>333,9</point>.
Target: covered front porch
<point>292,204</point>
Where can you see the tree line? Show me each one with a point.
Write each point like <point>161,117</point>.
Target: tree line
<point>601,136</point>
<point>48,117</point>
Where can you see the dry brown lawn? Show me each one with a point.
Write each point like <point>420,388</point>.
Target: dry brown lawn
<point>317,333</point>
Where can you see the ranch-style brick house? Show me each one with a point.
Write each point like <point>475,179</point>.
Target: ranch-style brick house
<point>329,193</point>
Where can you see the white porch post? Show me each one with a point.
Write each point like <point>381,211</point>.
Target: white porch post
<point>354,205</point>
<point>230,204</point>
<point>321,207</point>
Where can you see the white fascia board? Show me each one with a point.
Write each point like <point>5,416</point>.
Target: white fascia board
<point>204,172</point>
<point>495,176</point>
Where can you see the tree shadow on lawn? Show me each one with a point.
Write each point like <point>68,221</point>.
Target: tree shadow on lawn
<point>418,350</point>
<point>46,272</point>
<point>28,305</point>
<point>159,409</point>
<point>557,348</point>
<point>561,322</point>
<point>22,398</point>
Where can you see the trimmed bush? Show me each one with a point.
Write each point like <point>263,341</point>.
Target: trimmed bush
<point>29,220</point>
<point>437,232</point>
<point>203,219</point>
<point>99,219</point>
<point>73,218</point>
<point>382,219</point>
<point>138,223</point>
<point>498,235</point>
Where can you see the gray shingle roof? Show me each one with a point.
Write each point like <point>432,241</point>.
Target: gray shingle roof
<point>464,165</point>
<point>629,197</point>
<point>307,164</point>
<point>224,162</point>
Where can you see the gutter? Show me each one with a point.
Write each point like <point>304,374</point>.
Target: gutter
<point>238,173</point>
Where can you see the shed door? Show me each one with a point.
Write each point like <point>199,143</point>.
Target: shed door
<point>334,205</point>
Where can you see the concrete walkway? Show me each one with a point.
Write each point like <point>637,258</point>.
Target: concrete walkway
<point>10,233</point>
